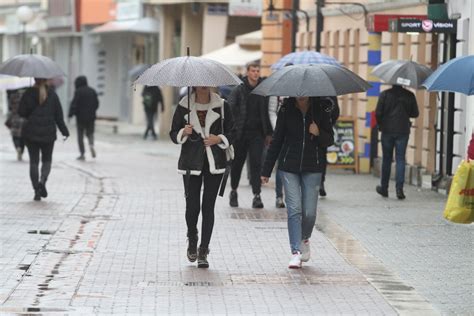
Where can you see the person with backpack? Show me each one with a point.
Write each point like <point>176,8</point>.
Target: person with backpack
<point>42,111</point>
<point>302,128</point>
<point>84,106</point>
<point>151,98</point>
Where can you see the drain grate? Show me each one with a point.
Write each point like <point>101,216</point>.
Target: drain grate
<point>42,232</point>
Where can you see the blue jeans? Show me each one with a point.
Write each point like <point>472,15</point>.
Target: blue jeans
<point>399,142</point>
<point>301,197</point>
<point>278,184</point>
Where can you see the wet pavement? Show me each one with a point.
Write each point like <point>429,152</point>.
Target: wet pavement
<point>110,238</point>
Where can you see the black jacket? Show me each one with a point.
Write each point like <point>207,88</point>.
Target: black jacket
<point>238,99</point>
<point>394,109</point>
<point>85,102</point>
<point>297,149</point>
<point>193,151</point>
<point>41,120</point>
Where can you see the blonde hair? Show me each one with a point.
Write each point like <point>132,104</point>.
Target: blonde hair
<point>43,90</point>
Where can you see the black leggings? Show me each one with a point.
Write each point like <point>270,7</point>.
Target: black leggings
<point>34,150</point>
<point>193,203</point>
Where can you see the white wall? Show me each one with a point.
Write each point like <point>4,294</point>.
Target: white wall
<point>464,117</point>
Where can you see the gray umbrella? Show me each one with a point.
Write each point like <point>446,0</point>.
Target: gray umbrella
<point>312,81</point>
<point>402,72</point>
<point>31,65</point>
<point>188,71</point>
<point>137,70</point>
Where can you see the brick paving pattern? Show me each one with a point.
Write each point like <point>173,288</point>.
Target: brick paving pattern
<point>111,239</point>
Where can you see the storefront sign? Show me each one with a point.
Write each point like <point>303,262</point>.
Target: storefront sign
<point>343,154</point>
<point>128,10</point>
<point>245,7</point>
<point>422,26</point>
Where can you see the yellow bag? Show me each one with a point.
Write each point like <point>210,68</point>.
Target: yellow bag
<point>460,205</point>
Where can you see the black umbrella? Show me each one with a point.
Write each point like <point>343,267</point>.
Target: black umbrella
<point>312,81</point>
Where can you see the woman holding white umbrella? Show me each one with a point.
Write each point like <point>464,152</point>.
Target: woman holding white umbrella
<point>204,137</point>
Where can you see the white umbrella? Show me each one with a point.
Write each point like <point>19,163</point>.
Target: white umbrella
<point>31,65</point>
<point>188,71</point>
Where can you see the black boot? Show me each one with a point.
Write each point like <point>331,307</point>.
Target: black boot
<point>257,201</point>
<point>42,190</point>
<point>383,192</point>
<point>37,196</point>
<point>192,247</point>
<point>202,257</point>
<point>322,191</point>
<point>400,194</point>
<point>233,201</point>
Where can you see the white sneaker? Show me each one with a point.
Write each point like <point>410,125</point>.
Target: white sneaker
<point>305,250</point>
<point>295,262</point>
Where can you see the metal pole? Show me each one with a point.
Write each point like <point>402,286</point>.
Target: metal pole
<point>294,10</point>
<point>319,23</point>
<point>23,39</point>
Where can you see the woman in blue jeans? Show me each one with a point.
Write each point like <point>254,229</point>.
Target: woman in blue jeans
<point>302,127</point>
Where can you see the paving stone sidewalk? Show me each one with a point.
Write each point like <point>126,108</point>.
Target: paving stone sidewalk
<point>110,239</point>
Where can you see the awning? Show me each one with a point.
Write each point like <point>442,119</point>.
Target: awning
<point>145,25</point>
<point>234,56</point>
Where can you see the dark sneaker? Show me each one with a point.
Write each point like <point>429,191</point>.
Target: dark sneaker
<point>42,190</point>
<point>192,247</point>
<point>279,202</point>
<point>381,191</point>
<point>202,257</point>
<point>93,153</point>
<point>81,158</point>
<point>257,201</point>
<point>400,194</point>
<point>233,202</point>
<point>322,190</point>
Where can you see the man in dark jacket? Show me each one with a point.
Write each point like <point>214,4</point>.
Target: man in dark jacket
<point>151,98</point>
<point>394,109</point>
<point>84,106</point>
<point>252,131</point>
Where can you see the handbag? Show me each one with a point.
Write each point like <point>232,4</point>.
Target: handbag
<point>460,204</point>
<point>229,155</point>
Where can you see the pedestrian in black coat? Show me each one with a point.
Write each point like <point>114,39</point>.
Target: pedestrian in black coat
<point>84,106</point>
<point>394,109</point>
<point>42,111</point>
<point>253,130</point>
<point>152,97</point>
<point>204,134</point>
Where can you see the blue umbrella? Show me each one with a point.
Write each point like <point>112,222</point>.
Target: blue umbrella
<point>305,58</point>
<point>457,75</point>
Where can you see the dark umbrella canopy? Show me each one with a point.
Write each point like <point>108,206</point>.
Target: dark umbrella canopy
<point>457,75</point>
<point>31,65</point>
<point>188,71</point>
<point>402,72</point>
<point>311,81</point>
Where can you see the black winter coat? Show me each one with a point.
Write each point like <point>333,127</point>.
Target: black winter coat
<point>41,120</point>
<point>85,102</point>
<point>296,149</point>
<point>238,99</point>
<point>394,109</point>
<point>193,151</point>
